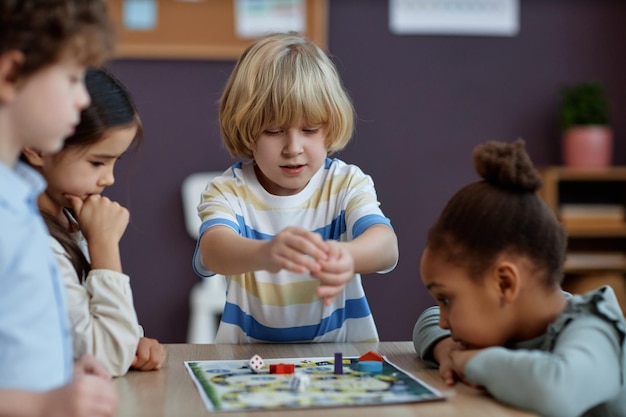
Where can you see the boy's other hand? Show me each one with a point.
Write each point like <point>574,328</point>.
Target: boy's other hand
<point>88,365</point>
<point>297,250</point>
<point>87,395</point>
<point>336,271</point>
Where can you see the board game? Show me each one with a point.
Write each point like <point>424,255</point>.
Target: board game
<point>231,385</point>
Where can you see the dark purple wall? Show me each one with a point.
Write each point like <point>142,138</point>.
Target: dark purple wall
<point>423,103</point>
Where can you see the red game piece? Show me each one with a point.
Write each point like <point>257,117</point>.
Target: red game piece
<point>282,368</point>
<point>371,356</point>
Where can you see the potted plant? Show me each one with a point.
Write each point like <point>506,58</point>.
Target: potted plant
<point>587,139</point>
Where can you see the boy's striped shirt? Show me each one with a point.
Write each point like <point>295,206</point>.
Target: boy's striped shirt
<point>339,203</point>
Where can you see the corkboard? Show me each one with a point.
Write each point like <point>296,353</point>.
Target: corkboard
<point>199,30</point>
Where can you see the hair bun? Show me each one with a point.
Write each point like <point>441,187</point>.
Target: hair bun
<point>506,165</point>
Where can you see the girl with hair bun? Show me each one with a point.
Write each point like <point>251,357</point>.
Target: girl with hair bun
<point>493,262</point>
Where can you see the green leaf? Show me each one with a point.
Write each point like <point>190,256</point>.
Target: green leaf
<point>583,104</point>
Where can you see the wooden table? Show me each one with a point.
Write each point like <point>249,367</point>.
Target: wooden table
<point>171,392</point>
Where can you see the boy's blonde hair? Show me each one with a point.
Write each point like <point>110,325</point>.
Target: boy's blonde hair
<point>280,80</point>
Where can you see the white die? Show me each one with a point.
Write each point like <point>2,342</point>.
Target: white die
<point>299,382</point>
<point>256,363</point>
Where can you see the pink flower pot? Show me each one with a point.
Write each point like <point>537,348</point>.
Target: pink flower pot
<point>588,146</point>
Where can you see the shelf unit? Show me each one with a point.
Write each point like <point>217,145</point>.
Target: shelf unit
<point>596,241</point>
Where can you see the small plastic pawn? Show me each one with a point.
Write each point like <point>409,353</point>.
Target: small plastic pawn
<point>338,364</point>
<point>282,368</point>
<point>299,382</point>
<point>373,367</point>
<point>371,356</point>
<point>256,364</point>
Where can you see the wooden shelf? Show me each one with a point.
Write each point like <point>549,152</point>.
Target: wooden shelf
<point>554,177</point>
<point>596,231</point>
<point>616,173</point>
<point>595,262</point>
<point>592,201</point>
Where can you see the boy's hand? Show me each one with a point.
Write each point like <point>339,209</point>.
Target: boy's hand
<point>88,365</point>
<point>150,355</point>
<point>90,393</point>
<point>335,272</point>
<point>296,250</point>
<point>85,396</point>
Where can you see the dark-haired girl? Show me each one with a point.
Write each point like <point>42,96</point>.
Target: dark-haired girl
<point>493,261</point>
<point>86,228</point>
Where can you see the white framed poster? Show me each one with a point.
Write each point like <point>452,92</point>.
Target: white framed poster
<point>454,17</point>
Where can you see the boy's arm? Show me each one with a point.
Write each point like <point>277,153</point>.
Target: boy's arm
<point>582,371</point>
<point>17,403</point>
<point>374,250</point>
<point>84,396</point>
<point>225,252</point>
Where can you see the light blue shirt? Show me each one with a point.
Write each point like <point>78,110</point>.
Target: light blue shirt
<point>35,338</point>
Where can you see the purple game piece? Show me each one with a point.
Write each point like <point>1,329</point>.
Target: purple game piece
<point>338,363</point>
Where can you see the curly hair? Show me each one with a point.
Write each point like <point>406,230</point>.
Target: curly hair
<point>47,30</point>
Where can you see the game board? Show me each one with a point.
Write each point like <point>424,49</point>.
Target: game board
<point>231,385</point>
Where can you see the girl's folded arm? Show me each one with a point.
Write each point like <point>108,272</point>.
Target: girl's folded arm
<point>582,371</point>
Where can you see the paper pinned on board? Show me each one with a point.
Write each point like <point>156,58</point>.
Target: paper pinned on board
<point>140,14</point>
<point>255,18</point>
